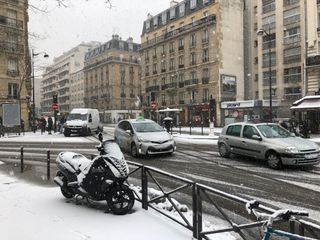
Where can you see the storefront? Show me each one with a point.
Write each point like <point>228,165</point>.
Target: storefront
<point>308,109</point>
<point>250,110</point>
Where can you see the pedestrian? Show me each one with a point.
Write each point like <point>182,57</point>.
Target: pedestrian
<point>22,126</point>
<point>50,125</point>
<point>62,121</point>
<point>43,124</point>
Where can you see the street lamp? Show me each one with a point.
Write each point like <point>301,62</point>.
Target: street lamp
<point>45,55</point>
<point>262,32</point>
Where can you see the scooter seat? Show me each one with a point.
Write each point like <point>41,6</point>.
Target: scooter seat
<point>76,161</point>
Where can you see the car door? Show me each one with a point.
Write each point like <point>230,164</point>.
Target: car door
<point>233,138</point>
<point>120,134</point>
<point>251,142</point>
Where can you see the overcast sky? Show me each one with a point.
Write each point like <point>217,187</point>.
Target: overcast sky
<point>61,29</point>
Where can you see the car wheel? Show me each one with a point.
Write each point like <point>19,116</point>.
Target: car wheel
<point>134,151</point>
<point>88,132</point>
<point>223,150</point>
<point>66,133</point>
<point>273,160</point>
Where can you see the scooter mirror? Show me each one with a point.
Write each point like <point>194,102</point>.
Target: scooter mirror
<point>100,137</point>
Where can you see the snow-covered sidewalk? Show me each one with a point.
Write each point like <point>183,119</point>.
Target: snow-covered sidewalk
<point>32,212</point>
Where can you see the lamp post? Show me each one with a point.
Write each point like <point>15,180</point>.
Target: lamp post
<point>45,55</point>
<point>262,32</point>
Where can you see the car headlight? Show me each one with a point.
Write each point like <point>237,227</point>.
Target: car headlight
<point>291,150</point>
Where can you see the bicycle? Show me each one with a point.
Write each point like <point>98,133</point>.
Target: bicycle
<point>285,214</point>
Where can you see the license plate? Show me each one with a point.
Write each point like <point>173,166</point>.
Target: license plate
<point>311,156</point>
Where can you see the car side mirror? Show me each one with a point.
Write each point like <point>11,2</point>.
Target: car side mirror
<point>128,131</point>
<point>256,137</point>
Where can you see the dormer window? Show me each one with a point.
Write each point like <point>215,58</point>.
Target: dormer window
<point>193,4</point>
<point>148,25</point>
<point>164,18</point>
<point>172,13</point>
<point>205,2</point>
<point>181,10</point>
<point>155,21</point>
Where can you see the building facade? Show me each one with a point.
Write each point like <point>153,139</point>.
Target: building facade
<point>15,83</point>
<point>192,57</point>
<point>61,79</point>
<point>112,79</point>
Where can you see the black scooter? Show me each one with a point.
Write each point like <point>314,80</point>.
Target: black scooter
<point>102,178</point>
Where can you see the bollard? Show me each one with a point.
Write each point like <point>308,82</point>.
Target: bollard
<point>202,128</point>
<point>144,185</point>
<point>21,159</point>
<point>190,127</point>
<point>48,165</point>
<point>180,127</point>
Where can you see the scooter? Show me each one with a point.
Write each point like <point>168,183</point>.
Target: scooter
<point>102,178</point>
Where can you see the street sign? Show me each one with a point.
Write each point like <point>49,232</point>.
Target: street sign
<point>55,106</point>
<point>153,105</point>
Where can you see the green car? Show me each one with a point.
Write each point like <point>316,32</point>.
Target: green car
<point>268,141</point>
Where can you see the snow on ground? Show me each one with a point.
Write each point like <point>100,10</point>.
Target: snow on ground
<point>32,212</point>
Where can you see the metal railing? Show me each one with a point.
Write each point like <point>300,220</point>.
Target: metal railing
<point>229,207</point>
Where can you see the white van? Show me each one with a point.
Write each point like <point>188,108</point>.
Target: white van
<point>82,121</point>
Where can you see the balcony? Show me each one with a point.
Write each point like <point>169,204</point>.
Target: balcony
<point>147,74</point>
<point>153,89</point>
<point>11,22</point>
<point>181,65</point>
<point>13,73</point>
<point>10,47</point>
<point>205,80</point>
<point>181,48</point>
<point>163,70</point>
<point>313,61</point>
<point>292,97</point>
<point>181,102</point>
<point>163,103</point>
<point>171,50</point>
<point>154,72</point>
<point>194,81</point>
<point>172,85</point>
<point>123,95</point>
<point>181,84</point>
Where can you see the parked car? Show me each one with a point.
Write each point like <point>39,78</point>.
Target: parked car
<point>267,141</point>
<point>143,137</point>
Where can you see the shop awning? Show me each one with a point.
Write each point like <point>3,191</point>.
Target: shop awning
<point>308,103</point>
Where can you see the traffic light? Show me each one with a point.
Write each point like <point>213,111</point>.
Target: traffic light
<point>55,98</point>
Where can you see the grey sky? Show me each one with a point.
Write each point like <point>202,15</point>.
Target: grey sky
<point>87,20</point>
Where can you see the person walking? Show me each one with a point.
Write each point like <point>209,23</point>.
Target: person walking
<point>43,124</point>
<point>22,126</point>
<point>50,125</point>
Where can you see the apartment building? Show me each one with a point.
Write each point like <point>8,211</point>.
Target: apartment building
<point>112,79</point>
<point>15,84</point>
<point>192,57</point>
<point>61,78</point>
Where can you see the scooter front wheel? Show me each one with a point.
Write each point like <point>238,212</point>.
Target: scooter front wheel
<point>120,200</point>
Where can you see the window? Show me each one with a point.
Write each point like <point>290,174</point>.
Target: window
<point>234,130</point>
<point>289,2</point>
<point>205,55</point>
<point>266,59</point>
<point>13,90</point>
<point>193,4</point>
<point>155,52</point>
<point>266,93</point>
<point>181,43</point>
<point>292,55</point>
<point>266,39</point>
<point>193,96</point>
<point>205,95</point>
<point>292,93</point>
<point>155,21</point>
<point>181,9</point>
<point>192,40</point>
<point>249,131</point>
<point>155,68</point>
<point>181,97</point>
<point>205,76</point>
<point>193,58</point>
<point>269,22</point>
<point>291,35</point>
<point>12,67</point>
<point>148,25</point>
<point>292,75</point>
<point>268,6</point>
<point>205,1</point>
<point>291,16</point>
<point>181,61</point>
<point>172,13</point>
<point>164,18</point>
<point>266,78</point>
<point>171,64</point>
<point>171,47</point>
<point>205,36</point>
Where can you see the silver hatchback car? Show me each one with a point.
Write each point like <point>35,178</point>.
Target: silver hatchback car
<point>268,141</point>
<point>143,137</point>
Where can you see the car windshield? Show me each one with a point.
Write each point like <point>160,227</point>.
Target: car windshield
<point>77,116</point>
<point>273,131</point>
<point>147,127</point>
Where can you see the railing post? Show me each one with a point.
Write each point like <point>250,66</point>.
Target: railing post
<point>199,213</point>
<point>194,210</point>
<point>144,184</point>
<point>21,160</point>
<point>190,127</point>
<point>291,226</point>
<point>301,229</point>
<point>48,165</point>
<point>202,128</point>
<point>180,127</point>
